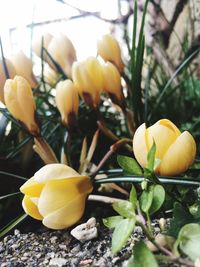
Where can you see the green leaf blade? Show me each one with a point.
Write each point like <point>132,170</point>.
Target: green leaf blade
<point>158,198</point>
<point>124,208</point>
<point>121,233</point>
<point>129,165</point>
<point>112,222</point>
<point>143,257</point>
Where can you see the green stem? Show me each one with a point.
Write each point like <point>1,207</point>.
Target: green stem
<point>139,179</point>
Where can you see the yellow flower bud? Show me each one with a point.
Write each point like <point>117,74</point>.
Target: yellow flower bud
<point>50,76</point>
<point>23,66</point>
<point>109,49</point>
<point>20,102</point>
<point>88,79</point>
<point>44,41</point>
<point>67,102</point>
<point>56,194</point>
<point>112,83</point>
<point>62,51</point>
<point>11,72</point>
<point>174,149</point>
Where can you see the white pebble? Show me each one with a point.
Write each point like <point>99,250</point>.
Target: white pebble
<point>57,262</point>
<point>85,231</point>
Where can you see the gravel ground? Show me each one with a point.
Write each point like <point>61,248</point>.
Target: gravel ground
<point>59,248</point>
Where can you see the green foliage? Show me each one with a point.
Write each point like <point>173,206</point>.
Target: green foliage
<point>112,222</point>
<point>189,240</point>
<point>121,233</point>
<point>129,165</point>
<point>158,198</point>
<point>181,216</point>
<point>124,208</point>
<point>143,257</point>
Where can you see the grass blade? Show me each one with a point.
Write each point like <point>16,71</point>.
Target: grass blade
<point>10,195</point>
<point>179,69</point>
<point>13,175</point>
<point>12,225</point>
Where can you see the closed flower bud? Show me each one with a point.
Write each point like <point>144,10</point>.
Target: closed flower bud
<point>67,102</point>
<point>112,83</point>
<point>50,76</point>
<point>24,67</point>
<point>63,53</point>
<point>174,149</point>
<point>87,76</point>
<point>56,194</point>
<point>43,41</point>
<point>11,73</point>
<point>108,48</point>
<point>20,102</point>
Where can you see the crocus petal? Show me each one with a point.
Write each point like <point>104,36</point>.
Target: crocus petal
<point>67,100</point>
<point>164,133</point>
<point>57,193</point>
<point>54,171</point>
<point>67,215</point>
<point>179,156</point>
<point>31,188</point>
<point>30,208</point>
<point>139,145</point>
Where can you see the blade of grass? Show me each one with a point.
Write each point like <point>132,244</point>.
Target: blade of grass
<point>136,66</point>
<point>179,69</point>
<point>12,225</point>
<point>10,195</point>
<point>13,153</point>
<point>13,175</point>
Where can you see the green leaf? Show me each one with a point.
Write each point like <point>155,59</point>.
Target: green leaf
<point>146,199</point>
<point>143,257</point>
<point>129,165</point>
<point>112,222</point>
<point>124,208</point>
<point>181,216</point>
<point>189,240</point>
<point>121,233</point>
<point>9,195</point>
<point>151,157</point>
<point>12,225</point>
<point>133,196</point>
<point>158,198</point>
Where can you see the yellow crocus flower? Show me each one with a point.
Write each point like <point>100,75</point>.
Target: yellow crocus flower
<point>112,83</point>
<point>56,194</point>
<point>108,48</point>
<point>63,52</point>
<point>24,67</point>
<point>174,149</point>
<point>42,41</point>
<point>20,102</point>
<point>67,102</point>
<point>88,79</point>
<point>11,72</point>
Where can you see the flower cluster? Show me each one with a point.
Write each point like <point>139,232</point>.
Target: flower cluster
<point>56,194</point>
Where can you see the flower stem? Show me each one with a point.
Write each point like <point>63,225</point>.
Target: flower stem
<point>110,152</point>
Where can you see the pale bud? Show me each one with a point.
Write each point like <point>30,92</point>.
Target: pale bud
<point>20,102</point>
<point>24,67</point>
<point>67,102</point>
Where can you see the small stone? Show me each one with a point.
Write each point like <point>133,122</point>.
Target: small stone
<point>16,232</point>
<point>57,262</point>
<point>85,231</point>
<point>53,239</point>
<point>85,262</point>
<point>64,247</point>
